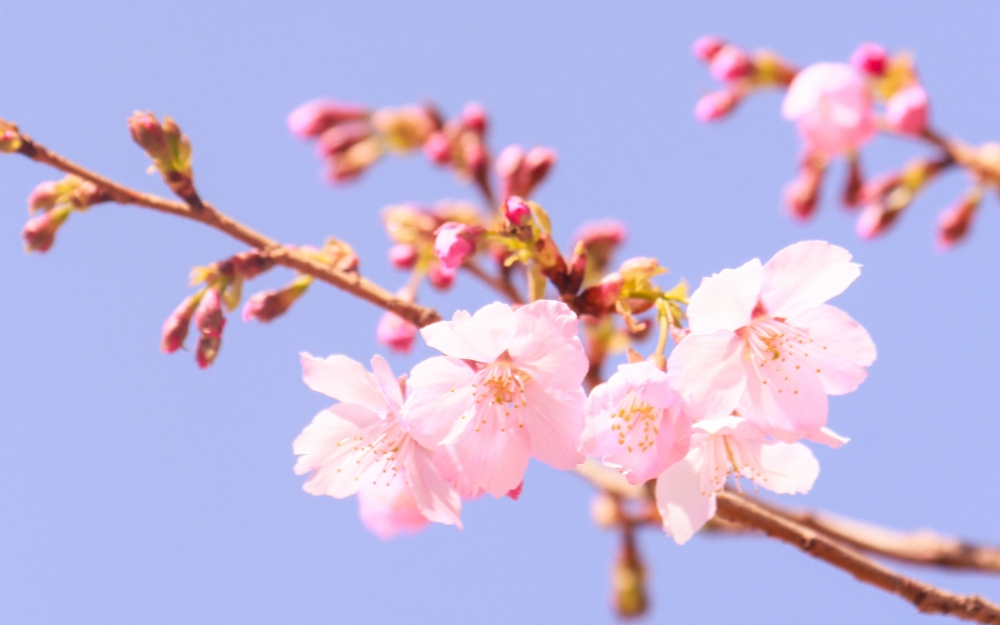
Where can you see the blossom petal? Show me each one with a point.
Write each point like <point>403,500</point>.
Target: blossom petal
<point>787,469</point>
<point>323,447</point>
<point>490,455</point>
<point>828,437</point>
<point>546,347</point>
<point>682,504</point>
<point>480,337</point>
<point>388,383</point>
<point>805,275</point>
<point>708,373</point>
<point>440,391</point>
<point>344,379</point>
<point>390,510</point>
<point>726,300</point>
<point>554,420</point>
<point>435,498</point>
<point>785,397</point>
<point>842,347</point>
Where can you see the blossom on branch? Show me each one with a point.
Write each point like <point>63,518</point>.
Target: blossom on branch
<point>832,107</point>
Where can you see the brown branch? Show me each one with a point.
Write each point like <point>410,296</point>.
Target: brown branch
<point>928,599</point>
<point>289,257</point>
<point>504,287</point>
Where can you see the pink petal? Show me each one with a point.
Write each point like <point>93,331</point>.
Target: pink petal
<point>708,373</point>
<point>546,347</point>
<point>787,469</point>
<point>446,463</point>
<point>805,275</point>
<point>489,455</point>
<point>344,379</point>
<point>726,300</point>
<point>480,337</point>
<point>554,420</point>
<point>436,499</point>
<point>440,392</point>
<point>389,510</point>
<point>785,397</point>
<point>841,347</point>
<point>388,383</point>
<point>828,437</point>
<point>322,448</point>
<point>683,506</point>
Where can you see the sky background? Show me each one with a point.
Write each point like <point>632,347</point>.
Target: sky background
<point>135,488</point>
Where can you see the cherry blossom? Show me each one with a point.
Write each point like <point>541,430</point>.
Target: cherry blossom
<point>762,340</point>
<point>635,423</point>
<point>506,389</point>
<point>390,510</point>
<point>363,443</point>
<point>685,493</point>
<point>832,107</point>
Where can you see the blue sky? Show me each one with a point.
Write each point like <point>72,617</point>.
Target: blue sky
<point>136,489</point>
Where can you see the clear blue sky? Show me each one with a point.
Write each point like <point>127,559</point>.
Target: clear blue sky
<point>136,489</point>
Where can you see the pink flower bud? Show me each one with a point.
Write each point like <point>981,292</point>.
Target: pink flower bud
<point>802,194</point>
<point>39,232</point>
<point>955,221</point>
<point>906,111</point>
<point>403,256</point>
<point>716,105</point>
<point>269,305</point>
<point>537,165</point>
<point>251,264</point>
<point>43,197</point>
<point>148,134</point>
<point>207,350</point>
<point>516,211</point>
<point>437,148</point>
<point>314,117</point>
<point>208,317</point>
<point>600,299</point>
<point>396,333</point>
<point>730,63</point>
<point>455,243</point>
<point>441,277</point>
<point>875,219</point>
<point>704,48</point>
<point>474,118</point>
<point>337,139</point>
<point>604,232</point>
<point>10,138</point>
<point>509,161</point>
<point>175,328</point>
<point>870,58</point>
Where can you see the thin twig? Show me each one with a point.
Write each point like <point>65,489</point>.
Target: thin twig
<point>504,287</point>
<point>289,257</point>
<point>928,599</point>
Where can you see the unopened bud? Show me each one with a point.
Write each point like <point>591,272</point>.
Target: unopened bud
<point>601,239</point>
<point>149,135</point>
<point>39,232</point>
<point>441,277</point>
<point>207,350</point>
<point>955,221</point>
<point>10,138</point>
<point>875,219</point>
<point>801,195</point>
<point>509,167</point>
<point>474,118</point>
<point>340,255</point>
<point>537,164</point>
<point>175,328</point>
<point>730,63</point>
<point>855,182</point>
<point>870,58</point>
<point>628,582</point>
<point>403,256</point>
<point>43,197</point>
<point>600,299</point>
<point>396,333</point>
<point>605,511</point>
<point>208,317</point>
<point>404,128</point>
<point>517,211</point>
<point>704,48</point>
<point>269,305</point>
<point>341,137</point>
<point>251,264</point>
<point>314,117</point>
<point>716,104</point>
<point>906,111</point>
<point>455,243</point>
<point>437,148</point>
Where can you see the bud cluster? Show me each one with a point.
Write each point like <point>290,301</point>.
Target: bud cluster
<point>739,71</point>
<point>170,150</point>
<point>51,203</point>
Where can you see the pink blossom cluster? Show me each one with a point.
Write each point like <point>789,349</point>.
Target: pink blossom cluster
<point>746,383</point>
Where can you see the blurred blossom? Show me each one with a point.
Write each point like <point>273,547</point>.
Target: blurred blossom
<point>832,107</point>
<point>396,333</point>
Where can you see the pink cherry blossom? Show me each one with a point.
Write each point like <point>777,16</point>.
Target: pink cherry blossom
<point>455,242</point>
<point>390,510</point>
<point>516,211</point>
<point>506,389</point>
<point>396,333</point>
<point>704,48</point>
<point>907,110</point>
<point>685,493</point>
<point>730,63</point>
<point>871,59</point>
<point>635,423</point>
<point>763,341</point>
<point>832,107</point>
<point>363,443</point>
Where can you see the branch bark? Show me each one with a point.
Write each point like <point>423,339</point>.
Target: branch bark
<point>289,257</point>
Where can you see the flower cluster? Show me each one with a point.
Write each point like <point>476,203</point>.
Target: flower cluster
<point>838,108</point>
<point>745,384</point>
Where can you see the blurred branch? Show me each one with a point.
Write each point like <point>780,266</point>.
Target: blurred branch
<point>351,282</point>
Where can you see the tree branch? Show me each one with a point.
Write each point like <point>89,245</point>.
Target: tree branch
<point>289,257</point>
<point>928,599</point>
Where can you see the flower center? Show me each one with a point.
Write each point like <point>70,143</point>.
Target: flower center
<point>500,387</point>
<point>772,340</point>
<point>375,452</point>
<point>636,422</point>
<point>727,455</point>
